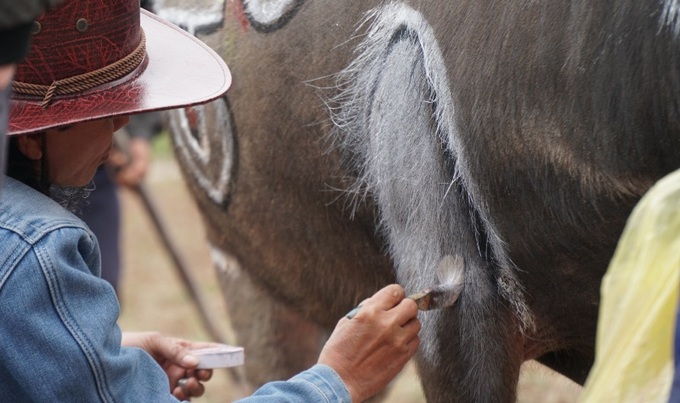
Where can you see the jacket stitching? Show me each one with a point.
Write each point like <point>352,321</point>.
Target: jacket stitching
<point>66,318</point>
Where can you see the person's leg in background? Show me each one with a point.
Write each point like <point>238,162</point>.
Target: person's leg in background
<point>102,215</point>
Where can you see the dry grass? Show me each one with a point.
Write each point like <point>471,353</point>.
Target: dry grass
<point>153,297</point>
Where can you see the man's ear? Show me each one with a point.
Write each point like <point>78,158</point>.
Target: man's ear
<point>31,146</point>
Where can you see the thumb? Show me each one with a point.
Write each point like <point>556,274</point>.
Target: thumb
<point>175,353</point>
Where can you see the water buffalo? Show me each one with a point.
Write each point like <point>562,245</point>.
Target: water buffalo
<point>363,141</point>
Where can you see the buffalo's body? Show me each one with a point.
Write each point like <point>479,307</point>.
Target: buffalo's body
<point>363,141</point>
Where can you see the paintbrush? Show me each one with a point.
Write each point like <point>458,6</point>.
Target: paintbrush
<point>450,273</point>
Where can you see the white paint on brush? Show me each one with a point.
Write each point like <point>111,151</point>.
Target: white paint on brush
<point>451,271</point>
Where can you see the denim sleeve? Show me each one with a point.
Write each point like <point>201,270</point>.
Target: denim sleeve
<point>60,340</point>
<point>318,384</point>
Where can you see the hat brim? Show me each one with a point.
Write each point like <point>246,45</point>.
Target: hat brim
<point>180,70</point>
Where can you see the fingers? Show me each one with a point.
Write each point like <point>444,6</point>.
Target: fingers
<point>411,330</point>
<point>405,339</point>
<point>195,345</point>
<point>387,297</point>
<point>131,175</point>
<point>412,347</point>
<point>117,159</point>
<point>405,311</point>
<point>187,383</point>
<point>203,375</point>
<point>390,298</point>
<point>412,327</point>
<point>173,351</point>
<point>174,357</point>
<point>368,351</point>
<point>131,168</point>
<point>187,388</point>
<point>383,300</point>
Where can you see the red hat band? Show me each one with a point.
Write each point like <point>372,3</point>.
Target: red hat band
<point>80,46</point>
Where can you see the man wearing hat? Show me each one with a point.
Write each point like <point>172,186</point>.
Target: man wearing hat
<point>93,63</point>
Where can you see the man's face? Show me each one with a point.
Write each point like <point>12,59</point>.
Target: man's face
<point>74,152</point>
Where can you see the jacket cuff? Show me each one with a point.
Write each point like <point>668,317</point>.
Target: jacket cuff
<point>327,382</point>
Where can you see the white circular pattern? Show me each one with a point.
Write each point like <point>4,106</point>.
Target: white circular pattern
<point>268,12</point>
<point>204,145</point>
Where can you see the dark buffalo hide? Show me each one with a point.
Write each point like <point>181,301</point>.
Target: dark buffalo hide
<point>362,141</point>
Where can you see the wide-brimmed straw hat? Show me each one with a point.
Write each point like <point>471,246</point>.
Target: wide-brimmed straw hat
<point>95,59</point>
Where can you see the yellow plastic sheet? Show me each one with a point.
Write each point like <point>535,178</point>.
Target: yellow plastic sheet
<point>639,295</point>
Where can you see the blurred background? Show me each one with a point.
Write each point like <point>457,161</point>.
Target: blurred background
<point>154,298</point>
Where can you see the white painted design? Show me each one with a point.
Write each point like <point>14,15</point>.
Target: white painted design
<point>268,12</point>
<point>194,18</point>
<point>394,112</point>
<point>225,264</point>
<point>206,150</point>
<point>670,15</point>
<point>396,107</point>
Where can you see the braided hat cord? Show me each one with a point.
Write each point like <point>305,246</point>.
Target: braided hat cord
<point>86,81</point>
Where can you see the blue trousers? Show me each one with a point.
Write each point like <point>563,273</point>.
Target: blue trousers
<point>102,215</point>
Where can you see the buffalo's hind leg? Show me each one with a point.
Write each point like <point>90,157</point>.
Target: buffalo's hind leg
<point>278,341</point>
<point>471,352</point>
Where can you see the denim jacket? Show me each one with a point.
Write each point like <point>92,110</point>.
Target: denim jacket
<point>59,341</point>
<point>59,337</point>
<point>318,384</point>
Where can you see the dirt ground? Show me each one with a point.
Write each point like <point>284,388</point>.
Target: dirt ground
<point>153,298</point>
